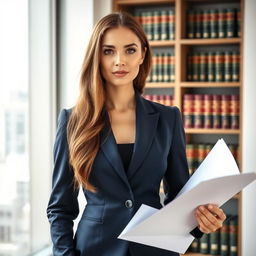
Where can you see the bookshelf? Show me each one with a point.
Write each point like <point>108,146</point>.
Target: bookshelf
<point>181,45</point>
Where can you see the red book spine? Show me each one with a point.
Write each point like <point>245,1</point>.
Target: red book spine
<point>198,111</point>
<point>208,99</point>
<point>225,111</point>
<point>216,111</point>
<point>234,112</point>
<point>188,109</point>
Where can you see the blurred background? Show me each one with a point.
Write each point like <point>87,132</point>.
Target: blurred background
<point>42,45</point>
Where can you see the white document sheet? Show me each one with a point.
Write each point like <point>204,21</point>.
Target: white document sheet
<point>215,181</point>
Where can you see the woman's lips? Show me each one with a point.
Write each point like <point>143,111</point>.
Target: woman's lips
<point>120,73</point>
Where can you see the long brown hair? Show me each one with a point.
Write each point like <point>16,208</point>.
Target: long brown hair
<point>87,117</point>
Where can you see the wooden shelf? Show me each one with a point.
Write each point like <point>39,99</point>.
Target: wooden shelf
<point>182,46</point>
<point>213,41</point>
<point>209,84</point>
<point>140,2</point>
<point>211,131</point>
<point>160,85</point>
<point>160,43</point>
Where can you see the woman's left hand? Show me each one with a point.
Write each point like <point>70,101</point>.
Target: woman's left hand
<point>209,217</point>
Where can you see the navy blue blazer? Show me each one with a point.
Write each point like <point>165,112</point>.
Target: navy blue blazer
<point>159,153</point>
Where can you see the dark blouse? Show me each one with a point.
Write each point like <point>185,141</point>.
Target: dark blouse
<point>125,151</point>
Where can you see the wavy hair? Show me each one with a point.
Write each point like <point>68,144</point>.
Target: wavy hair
<point>86,120</point>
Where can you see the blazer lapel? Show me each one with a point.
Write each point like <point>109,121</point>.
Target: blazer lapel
<point>146,124</point>
<point>110,150</point>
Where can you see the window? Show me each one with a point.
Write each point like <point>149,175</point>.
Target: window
<point>14,170</point>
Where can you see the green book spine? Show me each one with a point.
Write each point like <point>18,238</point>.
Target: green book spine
<point>154,68</point>
<point>169,68</point>
<point>194,247</point>
<point>191,24</point>
<point>230,17</point>
<point>156,25</point>
<point>204,244</point>
<point>172,66</point>
<point>238,21</point>
<point>166,68</point>
<point>224,239</point>
<point>143,19</point>
<point>222,23</point>
<point>190,67</point>
<point>195,160</point>
<point>211,67</point>
<point>161,68</point>
<point>219,66</point>
<point>214,242</point>
<point>235,66</point>
<point>203,59</point>
<point>171,27</point>
<point>164,25</point>
<point>198,23</point>
<point>149,25</point>
<point>206,23</point>
<point>213,23</point>
<point>227,66</point>
<point>158,64</point>
<point>195,68</point>
<point>233,236</point>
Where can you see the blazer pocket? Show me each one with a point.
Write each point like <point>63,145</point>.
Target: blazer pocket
<point>93,213</point>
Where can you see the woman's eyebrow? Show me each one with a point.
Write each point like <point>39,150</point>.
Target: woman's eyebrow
<point>125,46</point>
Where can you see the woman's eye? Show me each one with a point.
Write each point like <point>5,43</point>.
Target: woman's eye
<point>108,51</point>
<point>131,50</point>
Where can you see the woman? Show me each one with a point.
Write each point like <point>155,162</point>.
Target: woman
<point>118,147</point>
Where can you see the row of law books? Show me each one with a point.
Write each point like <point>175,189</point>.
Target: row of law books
<point>158,24</point>
<point>214,66</point>
<point>165,99</point>
<point>163,68</point>
<point>211,111</point>
<point>197,152</point>
<point>222,242</point>
<point>213,23</point>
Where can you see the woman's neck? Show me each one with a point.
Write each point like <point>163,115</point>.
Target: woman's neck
<point>121,99</point>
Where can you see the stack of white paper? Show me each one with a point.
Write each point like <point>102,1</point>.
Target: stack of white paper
<point>215,181</point>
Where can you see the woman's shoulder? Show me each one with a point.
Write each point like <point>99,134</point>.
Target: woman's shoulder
<point>161,108</point>
<point>64,116</point>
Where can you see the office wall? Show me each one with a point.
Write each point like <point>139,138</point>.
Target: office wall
<point>75,22</point>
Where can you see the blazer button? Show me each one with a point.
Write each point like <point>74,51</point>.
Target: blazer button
<point>128,203</point>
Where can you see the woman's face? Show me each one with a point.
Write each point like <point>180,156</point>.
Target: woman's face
<point>121,56</point>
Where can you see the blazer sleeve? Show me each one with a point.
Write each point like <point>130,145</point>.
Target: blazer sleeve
<point>63,204</point>
<point>177,173</point>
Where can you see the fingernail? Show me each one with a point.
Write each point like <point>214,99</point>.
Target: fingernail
<point>210,207</point>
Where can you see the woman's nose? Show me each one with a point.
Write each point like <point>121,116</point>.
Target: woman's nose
<point>119,61</point>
